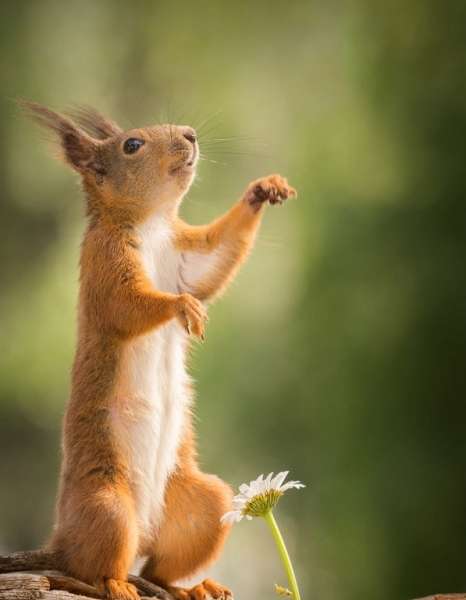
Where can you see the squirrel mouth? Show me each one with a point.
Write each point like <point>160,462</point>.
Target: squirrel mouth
<point>192,160</point>
<point>186,164</point>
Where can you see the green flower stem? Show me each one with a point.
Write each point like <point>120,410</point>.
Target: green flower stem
<point>272,523</point>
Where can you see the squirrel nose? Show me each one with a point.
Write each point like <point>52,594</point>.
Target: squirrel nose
<point>190,136</point>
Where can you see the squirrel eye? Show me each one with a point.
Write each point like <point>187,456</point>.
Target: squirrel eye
<point>132,145</point>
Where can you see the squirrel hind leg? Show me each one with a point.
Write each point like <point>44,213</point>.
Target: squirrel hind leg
<point>191,535</point>
<point>99,545</point>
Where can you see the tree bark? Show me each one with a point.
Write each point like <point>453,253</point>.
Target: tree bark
<point>33,576</point>
<point>24,561</point>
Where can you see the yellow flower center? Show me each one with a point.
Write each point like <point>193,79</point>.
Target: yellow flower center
<point>261,504</point>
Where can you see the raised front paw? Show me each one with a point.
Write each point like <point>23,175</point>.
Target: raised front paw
<point>191,314</point>
<point>273,189</point>
<point>207,589</point>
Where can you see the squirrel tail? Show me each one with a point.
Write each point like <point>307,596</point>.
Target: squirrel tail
<point>34,560</point>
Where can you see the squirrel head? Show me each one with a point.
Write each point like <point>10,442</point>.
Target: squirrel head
<point>127,174</point>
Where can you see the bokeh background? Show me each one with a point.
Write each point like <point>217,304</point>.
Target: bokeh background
<point>340,351</point>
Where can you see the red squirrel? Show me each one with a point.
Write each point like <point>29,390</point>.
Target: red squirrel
<point>130,485</point>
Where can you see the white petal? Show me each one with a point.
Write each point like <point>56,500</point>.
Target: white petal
<point>256,485</point>
<point>292,484</point>
<point>247,495</point>
<point>234,516</point>
<point>243,488</point>
<point>267,482</point>
<point>278,480</point>
<point>254,489</point>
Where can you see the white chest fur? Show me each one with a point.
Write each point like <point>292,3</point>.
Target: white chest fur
<point>153,390</point>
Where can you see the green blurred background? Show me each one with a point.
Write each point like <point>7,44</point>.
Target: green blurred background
<point>340,351</point>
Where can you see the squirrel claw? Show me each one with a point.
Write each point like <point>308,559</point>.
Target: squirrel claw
<point>191,314</point>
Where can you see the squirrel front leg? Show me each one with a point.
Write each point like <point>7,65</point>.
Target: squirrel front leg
<point>212,254</point>
<point>135,307</point>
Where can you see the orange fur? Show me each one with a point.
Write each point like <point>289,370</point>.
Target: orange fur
<point>97,535</point>
<point>233,233</point>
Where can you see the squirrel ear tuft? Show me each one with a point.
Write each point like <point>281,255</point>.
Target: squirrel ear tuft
<point>94,123</point>
<point>79,148</point>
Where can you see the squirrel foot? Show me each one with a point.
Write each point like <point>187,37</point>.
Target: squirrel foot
<point>207,589</point>
<point>117,589</point>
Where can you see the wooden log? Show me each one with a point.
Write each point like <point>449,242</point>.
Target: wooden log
<point>44,564</point>
<point>64,595</point>
<point>60,595</point>
<point>20,594</point>
<point>60,581</point>
<point>21,578</point>
<point>149,589</point>
<point>33,576</point>
<point>23,581</point>
<point>444,597</point>
<point>28,561</point>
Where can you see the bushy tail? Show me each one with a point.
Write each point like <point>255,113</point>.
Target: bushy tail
<point>34,560</point>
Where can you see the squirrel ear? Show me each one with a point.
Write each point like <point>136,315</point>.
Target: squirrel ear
<point>80,150</point>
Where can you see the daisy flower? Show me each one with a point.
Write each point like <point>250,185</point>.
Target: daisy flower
<point>258,499</point>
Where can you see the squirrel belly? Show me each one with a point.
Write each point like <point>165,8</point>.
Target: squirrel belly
<point>152,392</point>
